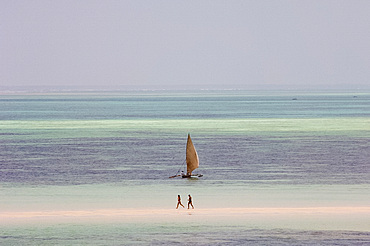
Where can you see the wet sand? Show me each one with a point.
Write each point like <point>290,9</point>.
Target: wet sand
<point>303,218</point>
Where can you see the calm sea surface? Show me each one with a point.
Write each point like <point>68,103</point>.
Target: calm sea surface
<point>117,150</point>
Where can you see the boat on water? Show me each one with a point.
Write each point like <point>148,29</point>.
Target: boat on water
<point>192,161</point>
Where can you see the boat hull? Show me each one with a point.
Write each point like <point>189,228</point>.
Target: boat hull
<point>192,176</point>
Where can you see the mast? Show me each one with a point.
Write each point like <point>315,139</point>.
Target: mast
<point>192,160</point>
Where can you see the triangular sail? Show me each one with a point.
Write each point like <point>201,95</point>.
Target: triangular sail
<point>192,160</point>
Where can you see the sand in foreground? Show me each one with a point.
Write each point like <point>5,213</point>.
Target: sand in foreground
<point>304,218</point>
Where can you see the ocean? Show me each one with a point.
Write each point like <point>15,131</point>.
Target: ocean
<point>93,168</point>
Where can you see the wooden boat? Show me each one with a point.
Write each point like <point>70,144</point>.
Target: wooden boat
<point>192,161</point>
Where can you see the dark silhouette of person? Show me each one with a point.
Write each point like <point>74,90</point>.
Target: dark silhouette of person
<point>179,202</point>
<point>190,202</point>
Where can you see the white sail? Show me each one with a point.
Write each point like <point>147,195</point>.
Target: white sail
<point>192,160</point>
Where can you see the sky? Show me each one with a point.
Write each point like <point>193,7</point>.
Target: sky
<point>170,44</point>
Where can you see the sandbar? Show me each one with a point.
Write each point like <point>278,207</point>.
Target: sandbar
<point>323,218</point>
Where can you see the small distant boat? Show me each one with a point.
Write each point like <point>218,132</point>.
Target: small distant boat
<point>192,161</point>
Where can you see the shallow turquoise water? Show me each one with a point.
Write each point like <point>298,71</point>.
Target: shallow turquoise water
<point>169,234</point>
<point>117,150</point>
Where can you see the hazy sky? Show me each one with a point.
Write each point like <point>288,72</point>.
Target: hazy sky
<point>185,44</point>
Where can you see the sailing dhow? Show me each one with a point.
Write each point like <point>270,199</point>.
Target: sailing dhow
<point>192,161</point>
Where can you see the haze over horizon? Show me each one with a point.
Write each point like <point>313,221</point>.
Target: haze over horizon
<point>261,45</point>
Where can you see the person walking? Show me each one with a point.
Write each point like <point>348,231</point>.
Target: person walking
<point>190,202</point>
<point>179,202</point>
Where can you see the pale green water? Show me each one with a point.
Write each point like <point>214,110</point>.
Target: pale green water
<point>86,152</point>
